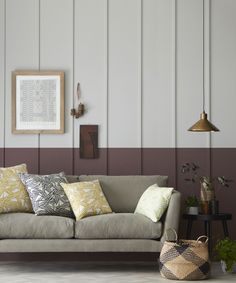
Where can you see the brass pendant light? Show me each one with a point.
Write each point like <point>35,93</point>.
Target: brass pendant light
<point>203,125</point>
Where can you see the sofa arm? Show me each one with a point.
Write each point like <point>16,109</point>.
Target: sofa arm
<point>172,216</point>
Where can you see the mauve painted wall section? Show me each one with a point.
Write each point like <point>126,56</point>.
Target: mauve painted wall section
<point>60,159</point>
<point>2,157</point>
<point>126,161</point>
<point>90,166</point>
<point>29,156</point>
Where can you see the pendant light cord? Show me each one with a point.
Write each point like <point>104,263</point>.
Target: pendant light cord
<point>203,55</point>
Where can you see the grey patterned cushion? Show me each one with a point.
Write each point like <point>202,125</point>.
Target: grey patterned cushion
<point>46,194</point>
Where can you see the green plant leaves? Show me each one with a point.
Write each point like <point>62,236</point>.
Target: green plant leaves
<point>226,250</point>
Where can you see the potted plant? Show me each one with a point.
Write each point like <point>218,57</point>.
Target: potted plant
<point>207,192</point>
<point>226,251</point>
<point>192,205</point>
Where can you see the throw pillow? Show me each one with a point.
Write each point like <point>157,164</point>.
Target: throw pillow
<point>13,195</point>
<point>86,199</point>
<point>153,202</point>
<point>46,194</point>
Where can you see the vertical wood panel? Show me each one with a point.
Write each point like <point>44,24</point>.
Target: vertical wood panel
<point>1,157</point>
<point>189,72</point>
<point>160,161</point>
<point>124,161</point>
<point>223,72</point>
<point>207,64</point>
<point>91,72</point>
<point>56,53</point>
<point>158,73</point>
<point>54,160</point>
<point>124,73</point>
<point>124,103</point>
<point>21,53</point>
<point>174,91</point>
<point>2,78</point>
<point>28,156</point>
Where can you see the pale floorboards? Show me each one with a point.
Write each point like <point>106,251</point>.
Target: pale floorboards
<point>50,272</point>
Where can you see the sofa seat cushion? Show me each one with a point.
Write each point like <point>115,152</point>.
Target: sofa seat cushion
<point>117,226</point>
<point>30,226</point>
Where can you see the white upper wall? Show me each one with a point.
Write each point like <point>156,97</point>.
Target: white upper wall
<point>223,75</point>
<point>139,64</point>
<point>21,52</point>
<point>90,65</point>
<point>2,70</point>
<point>158,70</point>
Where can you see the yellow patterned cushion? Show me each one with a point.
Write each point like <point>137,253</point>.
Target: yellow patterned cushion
<point>86,199</point>
<point>13,195</point>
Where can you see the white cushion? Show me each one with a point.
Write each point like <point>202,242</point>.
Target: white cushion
<point>153,202</point>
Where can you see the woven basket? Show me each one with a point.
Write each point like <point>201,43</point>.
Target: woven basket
<point>185,259</point>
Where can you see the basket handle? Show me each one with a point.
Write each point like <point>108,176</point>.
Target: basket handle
<point>173,230</point>
<point>203,236</point>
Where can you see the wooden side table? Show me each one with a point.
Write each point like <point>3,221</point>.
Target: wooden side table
<point>207,219</point>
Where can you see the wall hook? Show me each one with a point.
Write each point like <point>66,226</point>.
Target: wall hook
<point>80,110</point>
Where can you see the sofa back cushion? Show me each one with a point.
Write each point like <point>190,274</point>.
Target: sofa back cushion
<point>72,178</point>
<point>123,192</point>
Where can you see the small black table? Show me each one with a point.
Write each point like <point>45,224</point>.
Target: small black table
<point>208,218</point>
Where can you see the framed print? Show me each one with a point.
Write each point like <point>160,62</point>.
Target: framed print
<point>38,102</point>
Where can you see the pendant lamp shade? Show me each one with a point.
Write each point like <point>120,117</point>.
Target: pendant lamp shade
<point>203,125</point>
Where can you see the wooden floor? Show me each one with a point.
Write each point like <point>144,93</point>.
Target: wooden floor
<point>102,272</point>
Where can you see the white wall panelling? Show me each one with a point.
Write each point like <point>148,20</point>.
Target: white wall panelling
<point>90,64</point>
<point>139,63</point>
<point>207,62</point>
<point>223,37</point>
<point>174,75</point>
<point>124,73</point>
<point>189,72</point>
<point>22,51</point>
<point>158,72</point>
<point>56,53</point>
<point>2,70</point>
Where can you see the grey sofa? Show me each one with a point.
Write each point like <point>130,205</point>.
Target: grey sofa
<point>121,231</point>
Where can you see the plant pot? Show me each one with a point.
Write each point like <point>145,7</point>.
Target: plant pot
<point>205,207</point>
<point>192,210</point>
<point>207,194</point>
<point>214,204</point>
<point>224,266</point>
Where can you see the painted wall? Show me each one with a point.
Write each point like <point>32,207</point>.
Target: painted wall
<point>139,63</point>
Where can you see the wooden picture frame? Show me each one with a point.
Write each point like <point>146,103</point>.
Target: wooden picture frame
<point>38,102</point>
